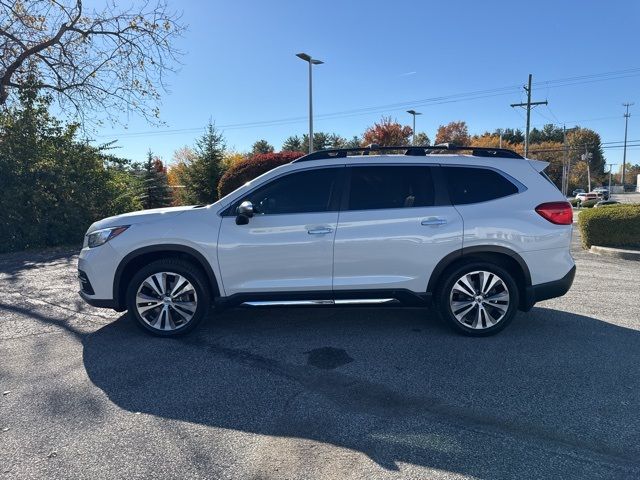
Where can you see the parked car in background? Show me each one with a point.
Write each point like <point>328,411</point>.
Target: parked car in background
<point>577,191</point>
<point>583,197</point>
<point>604,203</point>
<point>602,193</point>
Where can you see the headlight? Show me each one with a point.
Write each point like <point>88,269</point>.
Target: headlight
<point>100,237</point>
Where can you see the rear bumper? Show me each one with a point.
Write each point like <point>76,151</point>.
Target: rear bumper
<point>545,291</point>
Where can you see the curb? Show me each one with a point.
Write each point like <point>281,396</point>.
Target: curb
<point>616,252</point>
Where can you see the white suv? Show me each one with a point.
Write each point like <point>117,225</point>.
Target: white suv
<point>479,235</point>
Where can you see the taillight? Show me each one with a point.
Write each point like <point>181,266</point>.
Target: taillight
<point>559,213</point>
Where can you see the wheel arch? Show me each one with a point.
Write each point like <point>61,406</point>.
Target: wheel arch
<point>502,256</point>
<point>142,256</point>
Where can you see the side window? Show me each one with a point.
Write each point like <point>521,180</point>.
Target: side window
<point>381,187</point>
<point>302,192</point>
<point>475,185</point>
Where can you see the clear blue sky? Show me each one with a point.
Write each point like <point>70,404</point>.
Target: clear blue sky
<point>240,67</point>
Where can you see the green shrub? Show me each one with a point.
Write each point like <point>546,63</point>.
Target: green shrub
<point>245,171</point>
<point>574,202</point>
<point>589,203</point>
<point>618,226</point>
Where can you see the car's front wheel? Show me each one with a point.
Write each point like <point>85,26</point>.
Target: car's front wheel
<point>168,297</point>
<point>478,299</point>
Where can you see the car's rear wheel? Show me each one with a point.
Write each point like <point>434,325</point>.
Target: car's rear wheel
<point>168,297</point>
<point>478,299</point>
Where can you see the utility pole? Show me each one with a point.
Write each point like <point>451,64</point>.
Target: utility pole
<point>586,156</point>
<point>624,154</point>
<point>500,132</point>
<point>528,106</point>
<point>565,166</point>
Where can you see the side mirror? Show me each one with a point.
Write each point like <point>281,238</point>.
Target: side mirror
<point>245,212</point>
<point>246,209</point>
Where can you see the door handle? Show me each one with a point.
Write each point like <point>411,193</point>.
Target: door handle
<point>433,221</point>
<point>319,231</point>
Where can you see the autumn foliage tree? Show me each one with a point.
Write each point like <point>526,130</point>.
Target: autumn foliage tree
<point>254,166</point>
<point>387,132</point>
<point>453,132</point>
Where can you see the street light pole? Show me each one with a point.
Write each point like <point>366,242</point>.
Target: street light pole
<point>624,154</point>
<point>610,167</point>
<point>311,61</point>
<point>413,113</point>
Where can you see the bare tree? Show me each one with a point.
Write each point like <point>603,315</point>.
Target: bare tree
<point>95,64</point>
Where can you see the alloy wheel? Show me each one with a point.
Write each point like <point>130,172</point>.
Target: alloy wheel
<point>479,299</point>
<point>166,301</point>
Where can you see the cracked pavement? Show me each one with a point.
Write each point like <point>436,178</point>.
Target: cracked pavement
<point>349,393</point>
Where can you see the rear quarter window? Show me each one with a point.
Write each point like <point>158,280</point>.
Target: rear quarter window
<point>475,185</point>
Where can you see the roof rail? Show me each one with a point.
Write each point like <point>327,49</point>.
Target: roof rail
<point>414,151</point>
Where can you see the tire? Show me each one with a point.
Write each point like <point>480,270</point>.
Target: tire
<point>475,310</point>
<point>168,297</point>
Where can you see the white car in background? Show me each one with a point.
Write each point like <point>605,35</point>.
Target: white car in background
<point>480,236</point>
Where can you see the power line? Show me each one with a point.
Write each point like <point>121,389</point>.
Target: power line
<point>453,98</point>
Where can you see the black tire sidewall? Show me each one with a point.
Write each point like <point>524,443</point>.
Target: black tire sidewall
<point>187,270</point>
<point>444,307</point>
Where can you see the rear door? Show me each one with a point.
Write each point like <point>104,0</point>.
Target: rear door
<point>395,225</point>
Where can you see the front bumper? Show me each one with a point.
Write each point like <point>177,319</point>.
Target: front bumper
<point>97,302</point>
<point>545,291</point>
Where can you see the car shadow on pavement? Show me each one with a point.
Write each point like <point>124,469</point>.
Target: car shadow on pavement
<point>394,385</point>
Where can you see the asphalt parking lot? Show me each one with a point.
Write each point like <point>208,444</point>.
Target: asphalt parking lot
<point>318,393</point>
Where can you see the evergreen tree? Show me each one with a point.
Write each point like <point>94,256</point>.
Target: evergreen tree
<point>355,142</point>
<point>261,146</point>
<point>294,144</point>
<point>155,185</point>
<point>202,175</point>
<point>53,186</point>
<point>422,139</point>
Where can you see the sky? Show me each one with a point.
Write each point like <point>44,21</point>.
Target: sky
<point>385,57</point>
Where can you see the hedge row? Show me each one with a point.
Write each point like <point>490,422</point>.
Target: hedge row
<point>612,226</point>
<point>245,171</point>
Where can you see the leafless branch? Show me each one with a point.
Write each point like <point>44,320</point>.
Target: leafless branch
<point>95,64</point>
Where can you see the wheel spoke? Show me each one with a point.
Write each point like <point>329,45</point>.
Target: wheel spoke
<point>477,320</point>
<point>490,319</point>
<point>498,297</point>
<point>491,281</point>
<point>145,308</point>
<point>189,307</point>
<point>149,282</point>
<point>161,281</point>
<point>460,315</point>
<point>455,306</point>
<point>464,286</point>
<point>181,287</point>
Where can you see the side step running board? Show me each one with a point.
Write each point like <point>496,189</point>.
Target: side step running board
<point>358,301</point>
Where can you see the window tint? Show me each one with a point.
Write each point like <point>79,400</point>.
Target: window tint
<point>474,185</point>
<point>390,187</point>
<point>301,192</point>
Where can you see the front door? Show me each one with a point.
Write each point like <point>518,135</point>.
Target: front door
<point>288,243</point>
<point>394,228</point>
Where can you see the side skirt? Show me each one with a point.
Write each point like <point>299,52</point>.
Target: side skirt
<point>326,298</point>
